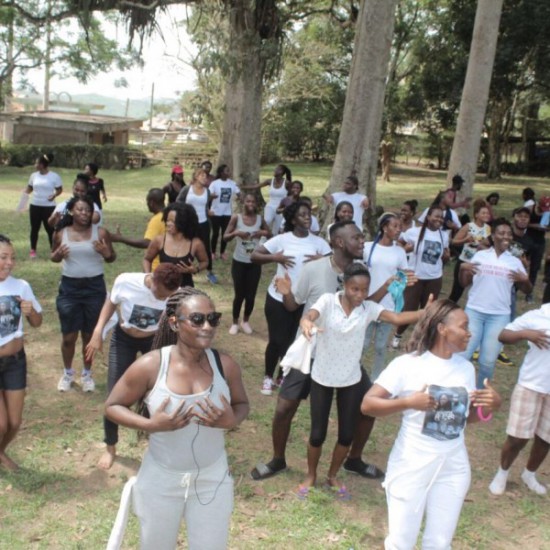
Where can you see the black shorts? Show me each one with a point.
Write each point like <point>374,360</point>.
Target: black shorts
<point>297,385</point>
<point>13,372</point>
<point>79,303</point>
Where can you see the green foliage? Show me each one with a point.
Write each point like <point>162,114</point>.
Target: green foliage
<point>114,157</point>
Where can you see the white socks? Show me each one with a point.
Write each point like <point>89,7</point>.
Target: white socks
<point>498,485</point>
<point>531,481</point>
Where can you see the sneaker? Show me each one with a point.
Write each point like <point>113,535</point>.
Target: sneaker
<point>475,356</point>
<point>531,481</point>
<point>32,254</point>
<point>234,329</point>
<point>504,360</point>
<point>267,386</point>
<point>246,328</point>
<point>396,341</point>
<point>498,485</point>
<point>87,383</point>
<point>65,383</point>
<point>212,278</point>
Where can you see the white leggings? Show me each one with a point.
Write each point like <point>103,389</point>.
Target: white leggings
<point>416,484</point>
<point>163,497</point>
<point>272,219</point>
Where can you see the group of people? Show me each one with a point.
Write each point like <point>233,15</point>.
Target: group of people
<point>328,302</point>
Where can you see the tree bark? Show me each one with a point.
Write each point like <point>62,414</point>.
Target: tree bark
<point>475,94</point>
<point>360,133</point>
<point>497,110</point>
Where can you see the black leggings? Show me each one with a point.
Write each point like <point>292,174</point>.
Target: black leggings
<point>39,215</point>
<point>536,256</point>
<point>348,401</point>
<point>123,352</point>
<point>245,283</point>
<point>219,222</point>
<point>458,289</point>
<point>203,233</point>
<point>281,328</point>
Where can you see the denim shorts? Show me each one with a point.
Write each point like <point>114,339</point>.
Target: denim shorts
<point>13,371</point>
<point>79,303</point>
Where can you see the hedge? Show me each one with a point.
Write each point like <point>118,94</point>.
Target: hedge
<point>114,157</point>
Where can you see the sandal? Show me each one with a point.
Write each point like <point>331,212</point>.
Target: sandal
<point>341,493</point>
<point>370,471</point>
<point>302,493</point>
<point>264,471</point>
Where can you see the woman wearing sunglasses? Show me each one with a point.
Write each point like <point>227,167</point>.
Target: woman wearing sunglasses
<point>193,396</point>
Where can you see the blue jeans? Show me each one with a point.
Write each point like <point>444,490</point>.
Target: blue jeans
<point>381,332</point>
<point>485,328</point>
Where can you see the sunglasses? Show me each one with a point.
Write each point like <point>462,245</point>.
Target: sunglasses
<point>197,320</point>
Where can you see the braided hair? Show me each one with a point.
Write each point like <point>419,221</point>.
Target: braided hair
<point>382,222</point>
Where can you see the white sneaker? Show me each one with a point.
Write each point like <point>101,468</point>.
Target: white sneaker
<point>498,485</point>
<point>246,328</point>
<point>267,386</point>
<point>65,382</point>
<point>234,329</point>
<point>87,383</point>
<point>396,341</point>
<point>531,481</point>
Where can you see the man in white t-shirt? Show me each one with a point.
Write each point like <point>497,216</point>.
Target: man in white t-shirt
<point>530,402</point>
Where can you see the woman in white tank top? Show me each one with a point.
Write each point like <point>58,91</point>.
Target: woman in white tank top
<point>191,401</point>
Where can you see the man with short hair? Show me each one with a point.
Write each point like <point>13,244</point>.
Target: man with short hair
<point>530,402</point>
<point>317,278</point>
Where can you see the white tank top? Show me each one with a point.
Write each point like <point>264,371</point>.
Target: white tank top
<point>83,260</point>
<point>194,446</point>
<point>198,202</point>
<point>276,194</point>
<point>244,248</point>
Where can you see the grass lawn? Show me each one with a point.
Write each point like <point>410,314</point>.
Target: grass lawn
<point>61,499</point>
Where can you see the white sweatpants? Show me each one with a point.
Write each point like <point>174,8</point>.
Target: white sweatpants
<point>417,483</point>
<point>163,497</point>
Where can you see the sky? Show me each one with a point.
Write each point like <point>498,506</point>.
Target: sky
<point>165,65</point>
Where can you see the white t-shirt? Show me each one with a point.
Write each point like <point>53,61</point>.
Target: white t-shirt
<point>337,361</point>
<point>44,186</point>
<point>225,191</point>
<point>478,233</point>
<point>138,306</point>
<point>11,318</point>
<point>299,248</point>
<point>534,373</point>
<point>491,290</point>
<point>198,202</point>
<point>454,377</point>
<point>384,263</point>
<point>314,227</point>
<point>428,263</point>
<point>61,208</point>
<point>355,199</point>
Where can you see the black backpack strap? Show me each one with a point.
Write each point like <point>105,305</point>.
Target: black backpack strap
<point>218,360</point>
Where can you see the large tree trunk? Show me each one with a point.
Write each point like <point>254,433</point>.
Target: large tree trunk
<point>475,94</point>
<point>359,141</point>
<point>497,116</point>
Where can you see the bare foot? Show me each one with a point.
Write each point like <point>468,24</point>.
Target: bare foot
<point>107,458</point>
<point>333,482</point>
<point>309,481</point>
<point>8,463</point>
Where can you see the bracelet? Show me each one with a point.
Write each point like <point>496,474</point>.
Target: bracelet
<point>481,416</point>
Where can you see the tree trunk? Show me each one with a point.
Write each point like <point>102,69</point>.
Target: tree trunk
<point>241,135</point>
<point>360,133</point>
<point>475,94</point>
<point>497,110</point>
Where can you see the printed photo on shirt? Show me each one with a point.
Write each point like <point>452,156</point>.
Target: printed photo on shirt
<point>449,419</point>
<point>225,194</point>
<point>10,314</point>
<point>143,317</point>
<point>431,252</point>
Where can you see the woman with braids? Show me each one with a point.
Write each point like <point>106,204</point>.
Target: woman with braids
<point>492,273</point>
<point>180,244</point>
<point>384,258</point>
<point>472,237</point>
<point>140,299</point>
<point>193,396</point>
<point>279,188</point>
<point>290,251</point>
<point>428,469</point>
<point>44,186</point>
<point>428,247</point>
<point>82,248</point>
<point>222,190</point>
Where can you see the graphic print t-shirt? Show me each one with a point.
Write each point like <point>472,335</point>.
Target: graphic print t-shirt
<point>427,264</point>
<point>449,419</point>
